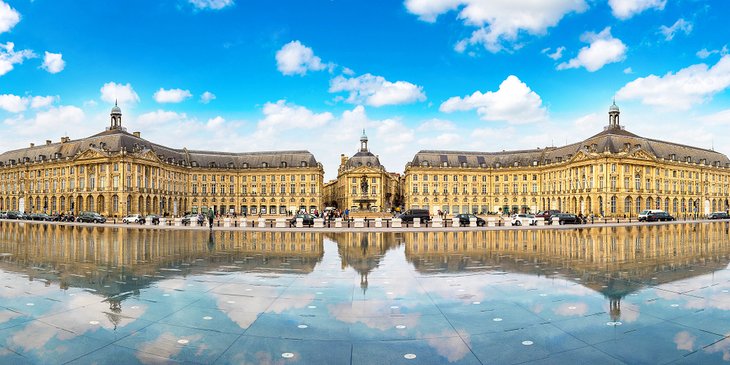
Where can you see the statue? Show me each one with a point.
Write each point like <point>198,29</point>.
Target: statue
<point>364,185</point>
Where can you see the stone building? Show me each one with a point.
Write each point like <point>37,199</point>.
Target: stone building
<point>614,173</point>
<point>362,183</point>
<point>117,173</point>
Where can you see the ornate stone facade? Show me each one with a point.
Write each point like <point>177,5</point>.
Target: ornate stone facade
<point>363,183</point>
<point>614,173</point>
<point>117,173</point>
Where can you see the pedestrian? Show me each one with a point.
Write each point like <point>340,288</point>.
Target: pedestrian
<point>211,215</point>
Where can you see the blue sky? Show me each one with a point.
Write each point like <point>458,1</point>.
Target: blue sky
<point>485,75</point>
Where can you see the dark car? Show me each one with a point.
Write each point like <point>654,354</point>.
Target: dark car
<point>154,219</point>
<point>421,214</point>
<point>547,215</point>
<point>719,215</point>
<point>307,220</point>
<point>659,217</point>
<point>464,220</point>
<point>566,218</point>
<point>13,214</point>
<point>90,217</point>
<point>40,217</point>
<point>188,218</point>
<point>68,218</point>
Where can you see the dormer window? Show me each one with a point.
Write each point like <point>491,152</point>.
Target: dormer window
<point>445,164</point>
<point>463,164</point>
<point>558,159</point>
<point>264,164</point>
<point>194,163</point>
<point>424,163</point>
<point>230,165</point>
<point>672,157</point>
<point>304,164</point>
<point>212,165</point>
<point>534,163</point>
<point>245,165</point>
<point>688,159</point>
<point>497,165</point>
<point>483,165</point>
<point>516,164</point>
<point>283,163</point>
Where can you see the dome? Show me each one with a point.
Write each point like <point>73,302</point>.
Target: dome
<point>116,109</point>
<point>363,159</point>
<point>613,107</point>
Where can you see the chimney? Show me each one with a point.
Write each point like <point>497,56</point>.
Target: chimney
<point>48,141</point>
<point>137,134</point>
<point>32,145</point>
<point>65,139</point>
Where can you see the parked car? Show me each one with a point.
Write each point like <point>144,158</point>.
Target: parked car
<point>465,220</point>
<point>68,218</point>
<point>567,218</point>
<point>547,215</point>
<point>90,217</point>
<point>645,213</point>
<point>152,218</point>
<point>40,217</point>
<point>421,214</point>
<point>188,218</point>
<point>132,218</point>
<point>718,215</point>
<point>307,220</point>
<point>3,215</point>
<point>524,220</point>
<point>659,216</point>
<point>12,214</point>
<point>55,218</point>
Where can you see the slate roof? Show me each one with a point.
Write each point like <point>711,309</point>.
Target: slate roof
<point>613,140</point>
<point>114,140</point>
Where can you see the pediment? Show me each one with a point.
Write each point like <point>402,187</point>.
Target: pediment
<point>642,155</point>
<point>90,154</point>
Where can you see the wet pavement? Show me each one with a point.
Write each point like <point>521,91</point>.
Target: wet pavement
<point>604,295</point>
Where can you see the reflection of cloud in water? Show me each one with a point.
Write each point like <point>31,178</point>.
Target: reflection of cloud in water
<point>721,346</point>
<point>571,309</point>
<point>685,341</point>
<point>629,312</point>
<point>452,348</point>
<point>367,313</point>
<point>7,315</point>
<point>166,346</point>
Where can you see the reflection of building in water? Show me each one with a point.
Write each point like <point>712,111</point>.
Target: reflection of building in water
<point>363,251</point>
<point>614,261</point>
<point>113,260</point>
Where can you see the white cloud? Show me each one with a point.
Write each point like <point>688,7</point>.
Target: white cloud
<point>558,54</point>
<point>38,102</point>
<point>215,122</point>
<point>498,22</point>
<point>171,95</point>
<point>13,103</point>
<point>160,116</point>
<point>112,92</point>
<point>602,49</point>
<point>9,57</point>
<point>207,97</point>
<point>680,25</point>
<point>436,125</point>
<point>691,85</point>
<point>45,124</point>
<point>8,17</point>
<point>704,53</point>
<point>628,71</point>
<point>294,58</point>
<point>211,4</point>
<point>53,62</point>
<point>513,103</point>
<point>281,116</point>
<point>624,9</point>
<point>376,90</point>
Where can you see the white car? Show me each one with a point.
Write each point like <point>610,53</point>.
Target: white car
<point>134,218</point>
<point>524,220</point>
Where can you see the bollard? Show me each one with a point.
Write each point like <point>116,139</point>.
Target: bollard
<point>262,223</point>
<point>555,220</point>
<point>226,222</point>
<point>163,221</point>
<point>318,223</point>
<point>491,221</point>
<point>280,222</point>
<point>437,222</point>
<point>540,221</point>
<point>338,222</point>
<point>416,223</point>
<point>396,223</point>
<point>472,222</point>
<point>359,223</point>
<point>300,222</point>
<point>178,222</point>
<point>243,222</point>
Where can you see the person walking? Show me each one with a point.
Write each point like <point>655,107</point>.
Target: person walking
<point>211,215</point>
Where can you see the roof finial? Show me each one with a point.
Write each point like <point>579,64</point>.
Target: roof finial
<point>115,102</point>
